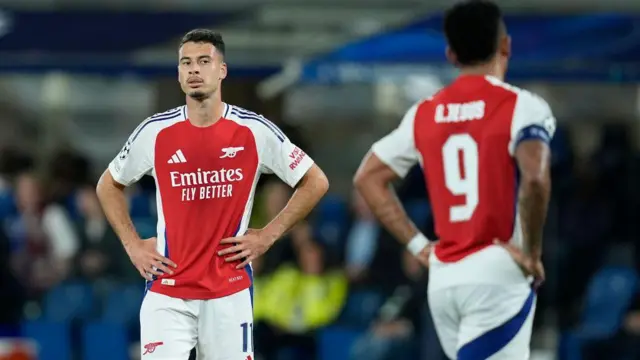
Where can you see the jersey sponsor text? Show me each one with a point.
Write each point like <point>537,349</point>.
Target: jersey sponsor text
<point>296,157</point>
<point>208,184</point>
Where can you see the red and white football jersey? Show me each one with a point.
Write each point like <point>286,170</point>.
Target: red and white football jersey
<point>465,137</point>
<point>206,179</point>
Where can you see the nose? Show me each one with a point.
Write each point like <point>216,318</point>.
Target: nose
<point>194,69</point>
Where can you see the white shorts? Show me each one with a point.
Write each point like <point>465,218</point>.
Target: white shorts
<point>484,321</point>
<point>218,328</point>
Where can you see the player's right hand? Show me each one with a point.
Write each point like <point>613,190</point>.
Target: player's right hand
<point>528,265</point>
<point>423,255</point>
<point>146,258</point>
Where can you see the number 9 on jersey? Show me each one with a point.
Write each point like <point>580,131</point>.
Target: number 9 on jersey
<point>461,174</point>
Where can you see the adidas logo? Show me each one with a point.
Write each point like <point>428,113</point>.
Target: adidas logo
<point>177,158</point>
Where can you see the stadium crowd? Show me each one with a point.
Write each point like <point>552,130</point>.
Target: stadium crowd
<point>337,286</point>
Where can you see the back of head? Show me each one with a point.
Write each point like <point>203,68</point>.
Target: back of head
<point>473,29</point>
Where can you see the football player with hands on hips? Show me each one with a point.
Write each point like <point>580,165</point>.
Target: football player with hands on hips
<point>484,147</point>
<point>206,158</point>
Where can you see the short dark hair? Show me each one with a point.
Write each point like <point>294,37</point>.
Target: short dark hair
<point>204,36</point>
<point>473,30</point>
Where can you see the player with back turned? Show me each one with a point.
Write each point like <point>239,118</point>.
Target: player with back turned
<point>206,158</point>
<point>484,148</point>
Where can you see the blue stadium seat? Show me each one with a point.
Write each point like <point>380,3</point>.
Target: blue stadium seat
<point>141,205</point>
<point>334,343</point>
<point>331,217</point>
<point>361,308</point>
<point>569,347</point>
<point>71,205</point>
<point>52,338</point>
<point>104,341</point>
<point>7,205</point>
<point>122,305</point>
<point>146,226</point>
<point>608,298</point>
<point>69,302</point>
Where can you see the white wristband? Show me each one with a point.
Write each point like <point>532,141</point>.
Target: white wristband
<point>417,243</point>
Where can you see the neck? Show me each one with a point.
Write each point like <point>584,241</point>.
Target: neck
<point>492,68</point>
<point>203,113</point>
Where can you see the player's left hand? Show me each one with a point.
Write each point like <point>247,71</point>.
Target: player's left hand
<point>528,265</point>
<point>246,247</point>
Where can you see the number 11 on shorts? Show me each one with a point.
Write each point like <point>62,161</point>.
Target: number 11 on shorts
<point>247,335</point>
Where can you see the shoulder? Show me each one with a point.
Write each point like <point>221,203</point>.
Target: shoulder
<point>152,125</point>
<point>525,98</point>
<point>428,101</point>
<point>419,105</point>
<point>259,125</point>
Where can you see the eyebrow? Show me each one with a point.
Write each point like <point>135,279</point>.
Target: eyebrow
<point>199,57</point>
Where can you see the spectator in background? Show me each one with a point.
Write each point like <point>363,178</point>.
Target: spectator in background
<point>100,255</point>
<point>294,293</point>
<point>42,236</point>
<point>386,265</point>
<point>394,334</point>
<point>613,162</point>
<point>362,240</point>
<point>66,172</point>
<point>587,224</point>
<point>12,163</point>
<point>274,197</point>
<point>632,328</point>
<point>13,297</point>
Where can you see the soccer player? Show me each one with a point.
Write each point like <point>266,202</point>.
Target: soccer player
<point>206,158</point>
<point>483,146</point>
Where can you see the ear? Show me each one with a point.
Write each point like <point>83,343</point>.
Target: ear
<point>451,56</point>
<point>505,46</point>
<point>223,71</point>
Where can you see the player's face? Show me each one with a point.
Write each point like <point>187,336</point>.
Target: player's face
<point>201,69</point>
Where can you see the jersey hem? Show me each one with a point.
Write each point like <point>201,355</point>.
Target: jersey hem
<point>454,257</point>
<point>489,265</point>
<point>182,293</point>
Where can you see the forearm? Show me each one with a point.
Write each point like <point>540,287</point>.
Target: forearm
<point>114,205</point>
<point>387,208</point>
<point>310,190</point>
<point>533,201</point>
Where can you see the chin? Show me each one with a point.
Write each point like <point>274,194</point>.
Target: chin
<point>198,95</point>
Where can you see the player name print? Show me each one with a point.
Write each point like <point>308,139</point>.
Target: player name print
<point>206,184</point>
<point>296,157</point>
<point>452,113</point>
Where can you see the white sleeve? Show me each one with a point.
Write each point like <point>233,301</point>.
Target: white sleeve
<point>136,157</point>
<point>398,149</point>
<point>281,157</point>
<point>532,120</point>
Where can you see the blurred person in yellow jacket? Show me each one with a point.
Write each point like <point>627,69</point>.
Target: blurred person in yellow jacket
<point>294,292</point>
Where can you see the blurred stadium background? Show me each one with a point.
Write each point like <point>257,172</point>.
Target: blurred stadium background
<point>76,76</point>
